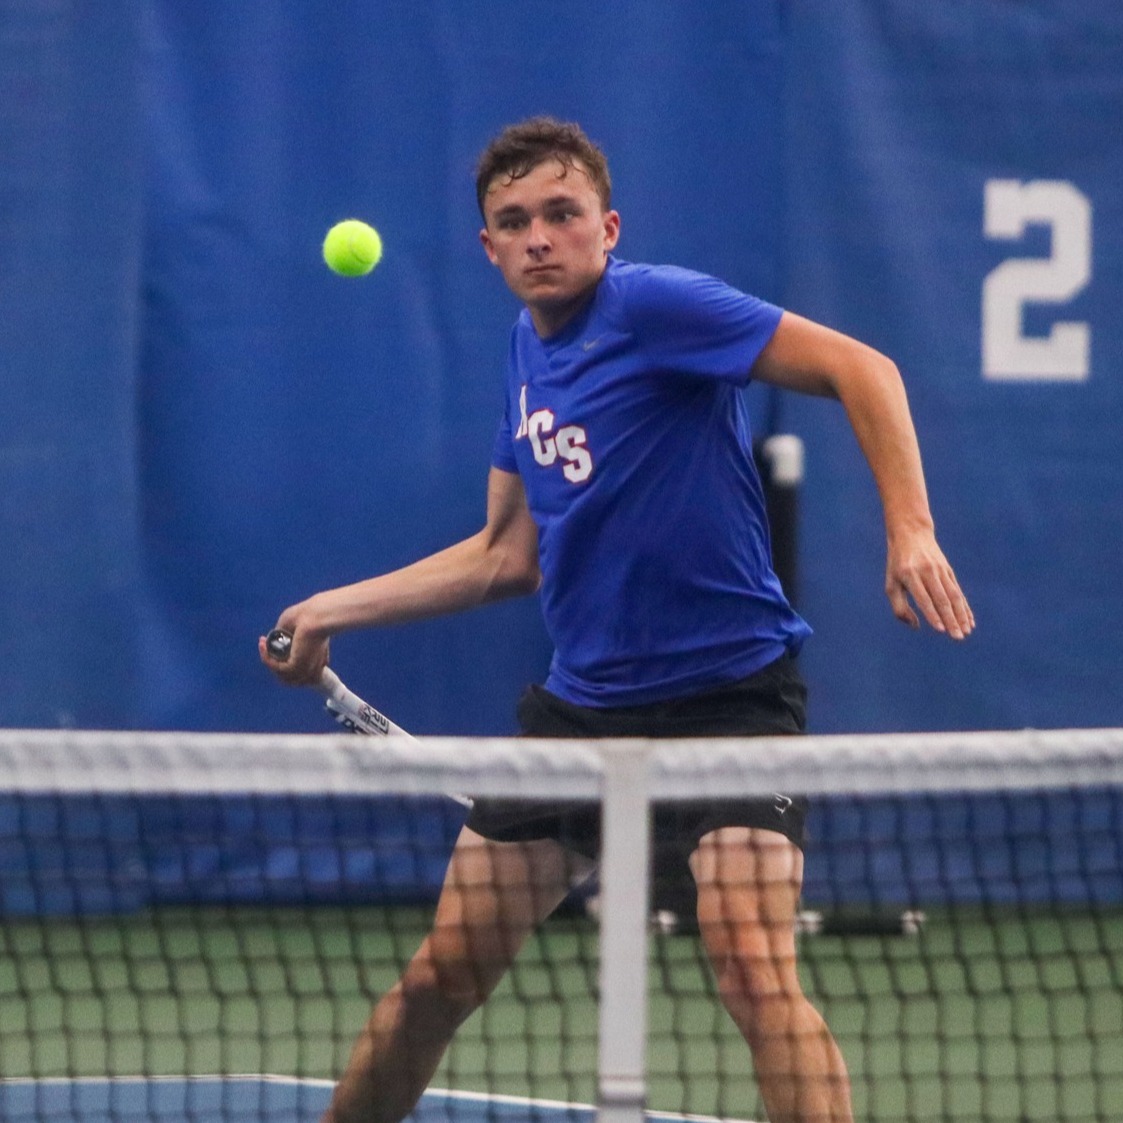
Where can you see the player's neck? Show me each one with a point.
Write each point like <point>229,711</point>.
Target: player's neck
<point>551,319</point>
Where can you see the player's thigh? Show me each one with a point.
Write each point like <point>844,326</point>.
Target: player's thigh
<point>496,893</point>
<point>748,883</point>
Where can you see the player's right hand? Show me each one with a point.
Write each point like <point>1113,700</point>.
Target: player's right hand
<point>307,656</point>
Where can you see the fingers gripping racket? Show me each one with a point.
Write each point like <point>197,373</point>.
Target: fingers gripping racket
<point>344,705</point>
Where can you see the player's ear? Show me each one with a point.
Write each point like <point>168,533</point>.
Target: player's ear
<point>489,249</point>
<point>611,229</point>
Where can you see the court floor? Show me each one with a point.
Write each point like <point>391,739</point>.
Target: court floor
<point>993,1015</point>
<point>248,1099</point>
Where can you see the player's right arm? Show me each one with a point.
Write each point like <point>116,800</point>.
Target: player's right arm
<point>500,561</point>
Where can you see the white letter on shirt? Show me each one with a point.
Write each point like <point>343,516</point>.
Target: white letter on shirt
<point>570,445</point>
<point>545,451</point>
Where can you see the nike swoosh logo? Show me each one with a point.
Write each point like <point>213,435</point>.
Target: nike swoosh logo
<point>589,344</point>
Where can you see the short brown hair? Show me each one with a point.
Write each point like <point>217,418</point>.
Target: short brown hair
<point>520,148</point>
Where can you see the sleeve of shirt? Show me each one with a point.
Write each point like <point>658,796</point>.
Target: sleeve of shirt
<point>695,324</point>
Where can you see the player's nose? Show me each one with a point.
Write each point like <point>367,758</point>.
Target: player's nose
<point>537,236</point>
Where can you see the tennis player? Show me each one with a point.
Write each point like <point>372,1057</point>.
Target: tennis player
<point>622,487</point>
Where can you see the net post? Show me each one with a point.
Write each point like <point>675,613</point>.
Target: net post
<point>625,876</point>
<point>780,460</point>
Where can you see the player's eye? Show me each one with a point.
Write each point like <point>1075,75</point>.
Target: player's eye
<point>511,222</point>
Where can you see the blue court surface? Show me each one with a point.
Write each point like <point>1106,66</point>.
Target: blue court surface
<point>248,1099</point>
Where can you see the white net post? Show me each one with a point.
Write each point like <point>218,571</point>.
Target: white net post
<point>625,863</point>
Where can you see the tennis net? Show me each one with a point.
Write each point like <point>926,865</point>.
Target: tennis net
<point>196,925</point>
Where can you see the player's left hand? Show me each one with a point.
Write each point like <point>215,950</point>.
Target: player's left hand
<point>917,573</point>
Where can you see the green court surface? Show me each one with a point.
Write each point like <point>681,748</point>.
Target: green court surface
<point>1007,1017</point>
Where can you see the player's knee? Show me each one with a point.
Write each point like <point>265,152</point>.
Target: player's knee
<point>762,1006</point>
<point>445,973</point>
<point>750,979</point>
<point>757,984</point>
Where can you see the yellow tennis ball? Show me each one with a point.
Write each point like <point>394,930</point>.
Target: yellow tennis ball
<point>352,248</point>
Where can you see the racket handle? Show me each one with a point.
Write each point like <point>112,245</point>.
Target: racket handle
<point>279,643</point>
<point>363,714</point>
<point>341,701</point>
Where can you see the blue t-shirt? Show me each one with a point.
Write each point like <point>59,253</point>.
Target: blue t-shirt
<point>631,436</point>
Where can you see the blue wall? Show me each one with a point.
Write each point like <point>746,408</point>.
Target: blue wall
<point>199,424</point>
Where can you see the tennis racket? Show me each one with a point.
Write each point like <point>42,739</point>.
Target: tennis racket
<point>344,705</point>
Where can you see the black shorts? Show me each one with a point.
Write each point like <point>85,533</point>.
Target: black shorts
<point>768,703</point>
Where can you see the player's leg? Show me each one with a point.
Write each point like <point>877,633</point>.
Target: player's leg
<point>748,884</point>
<point>494,895</point>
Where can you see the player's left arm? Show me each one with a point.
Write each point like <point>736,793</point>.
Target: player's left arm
<point>813,359</point>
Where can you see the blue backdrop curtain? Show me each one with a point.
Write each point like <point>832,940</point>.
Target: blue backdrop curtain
<point>199,424</point>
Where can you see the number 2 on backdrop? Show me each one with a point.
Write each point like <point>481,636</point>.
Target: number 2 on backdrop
<point>1008,354</point>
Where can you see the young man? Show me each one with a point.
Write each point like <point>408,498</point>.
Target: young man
<point>622,485</point>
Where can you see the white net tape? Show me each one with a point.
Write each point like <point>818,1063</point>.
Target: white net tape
<point>87,761</point>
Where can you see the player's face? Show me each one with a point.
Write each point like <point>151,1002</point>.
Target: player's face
<point>550,237</point>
